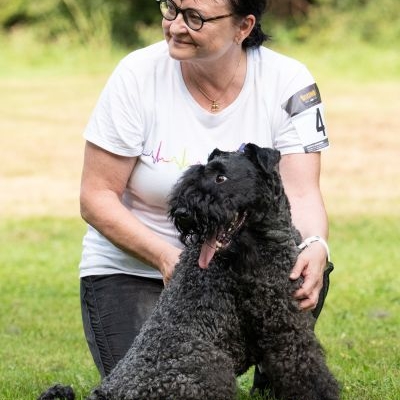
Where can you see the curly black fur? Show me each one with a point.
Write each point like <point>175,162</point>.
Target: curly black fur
<point>211,324</point>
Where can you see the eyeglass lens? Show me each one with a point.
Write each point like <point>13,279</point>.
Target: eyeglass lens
<point>170,11</point>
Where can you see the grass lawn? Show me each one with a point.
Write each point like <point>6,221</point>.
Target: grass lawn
<point>41,338</point>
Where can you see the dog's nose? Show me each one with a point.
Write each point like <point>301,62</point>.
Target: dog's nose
<point>181,214</point>
<point>182,218</point>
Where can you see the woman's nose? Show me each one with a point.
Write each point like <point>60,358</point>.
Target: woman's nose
<point>178,24</point>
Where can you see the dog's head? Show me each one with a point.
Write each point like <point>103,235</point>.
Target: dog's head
<point>235,191</point>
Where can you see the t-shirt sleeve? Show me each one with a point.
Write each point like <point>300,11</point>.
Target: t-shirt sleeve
<point>300,125</point>
<point>115,124</point>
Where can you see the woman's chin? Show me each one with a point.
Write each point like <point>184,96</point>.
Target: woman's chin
<point>181,50</point>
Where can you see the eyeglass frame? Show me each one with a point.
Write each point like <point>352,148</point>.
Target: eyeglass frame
<point>184,15</point>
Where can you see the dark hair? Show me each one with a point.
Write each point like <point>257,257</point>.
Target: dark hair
<point>242,8</point>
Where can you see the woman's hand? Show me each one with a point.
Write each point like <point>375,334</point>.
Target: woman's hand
<point>310,265</point>
<point>169,259</point>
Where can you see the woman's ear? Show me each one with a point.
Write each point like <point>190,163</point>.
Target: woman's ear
<point>246,25</point>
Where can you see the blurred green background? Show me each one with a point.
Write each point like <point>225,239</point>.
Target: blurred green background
<point>35,33</point>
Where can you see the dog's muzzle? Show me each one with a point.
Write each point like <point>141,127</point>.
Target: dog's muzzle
<point>220,240</point>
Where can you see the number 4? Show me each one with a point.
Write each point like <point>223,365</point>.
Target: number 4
<point>320,123</point>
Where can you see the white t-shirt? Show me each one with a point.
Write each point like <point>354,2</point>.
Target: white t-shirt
<point>145,110</point>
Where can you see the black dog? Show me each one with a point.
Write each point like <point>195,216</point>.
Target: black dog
<point>229,304</point>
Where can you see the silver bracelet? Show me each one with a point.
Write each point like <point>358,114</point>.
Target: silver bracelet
<point>313,239</point>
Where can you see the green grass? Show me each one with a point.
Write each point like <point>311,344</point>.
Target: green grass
<point>23,56</point>
<point>344,58</point>
<point>356,62</point>
<point>41,338</point>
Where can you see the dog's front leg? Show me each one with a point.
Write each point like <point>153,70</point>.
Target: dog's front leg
<point>295,368</point>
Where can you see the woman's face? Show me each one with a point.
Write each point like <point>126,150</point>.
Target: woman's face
<point>209,43</point>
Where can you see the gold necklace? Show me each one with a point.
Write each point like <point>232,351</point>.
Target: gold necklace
<point>215,104</point>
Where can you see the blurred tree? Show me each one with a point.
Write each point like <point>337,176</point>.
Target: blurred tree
<point>119,21</point>
<point>87,19</point>
<point>289,8</point>
<point>127,14</point>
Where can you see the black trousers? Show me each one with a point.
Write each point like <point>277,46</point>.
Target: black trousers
<point>114,307</point>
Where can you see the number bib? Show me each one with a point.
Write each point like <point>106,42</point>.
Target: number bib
<point>307,114</point>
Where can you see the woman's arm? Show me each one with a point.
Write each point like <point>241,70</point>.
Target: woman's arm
<point>300,175</point>
<point>104,179</point>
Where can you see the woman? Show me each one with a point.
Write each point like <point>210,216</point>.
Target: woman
<point>209,84</point>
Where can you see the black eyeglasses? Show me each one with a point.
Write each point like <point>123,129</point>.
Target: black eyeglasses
<point>192,18</point>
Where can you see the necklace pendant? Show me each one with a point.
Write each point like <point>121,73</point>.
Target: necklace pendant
<point>214,106</point>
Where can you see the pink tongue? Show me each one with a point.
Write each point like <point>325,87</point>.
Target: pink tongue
<point>207,252</point>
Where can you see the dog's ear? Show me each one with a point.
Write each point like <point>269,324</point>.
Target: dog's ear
<point>264,157</point>
<point>215,153</point>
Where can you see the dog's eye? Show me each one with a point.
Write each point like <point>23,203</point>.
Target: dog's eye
<point>220,179</point>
